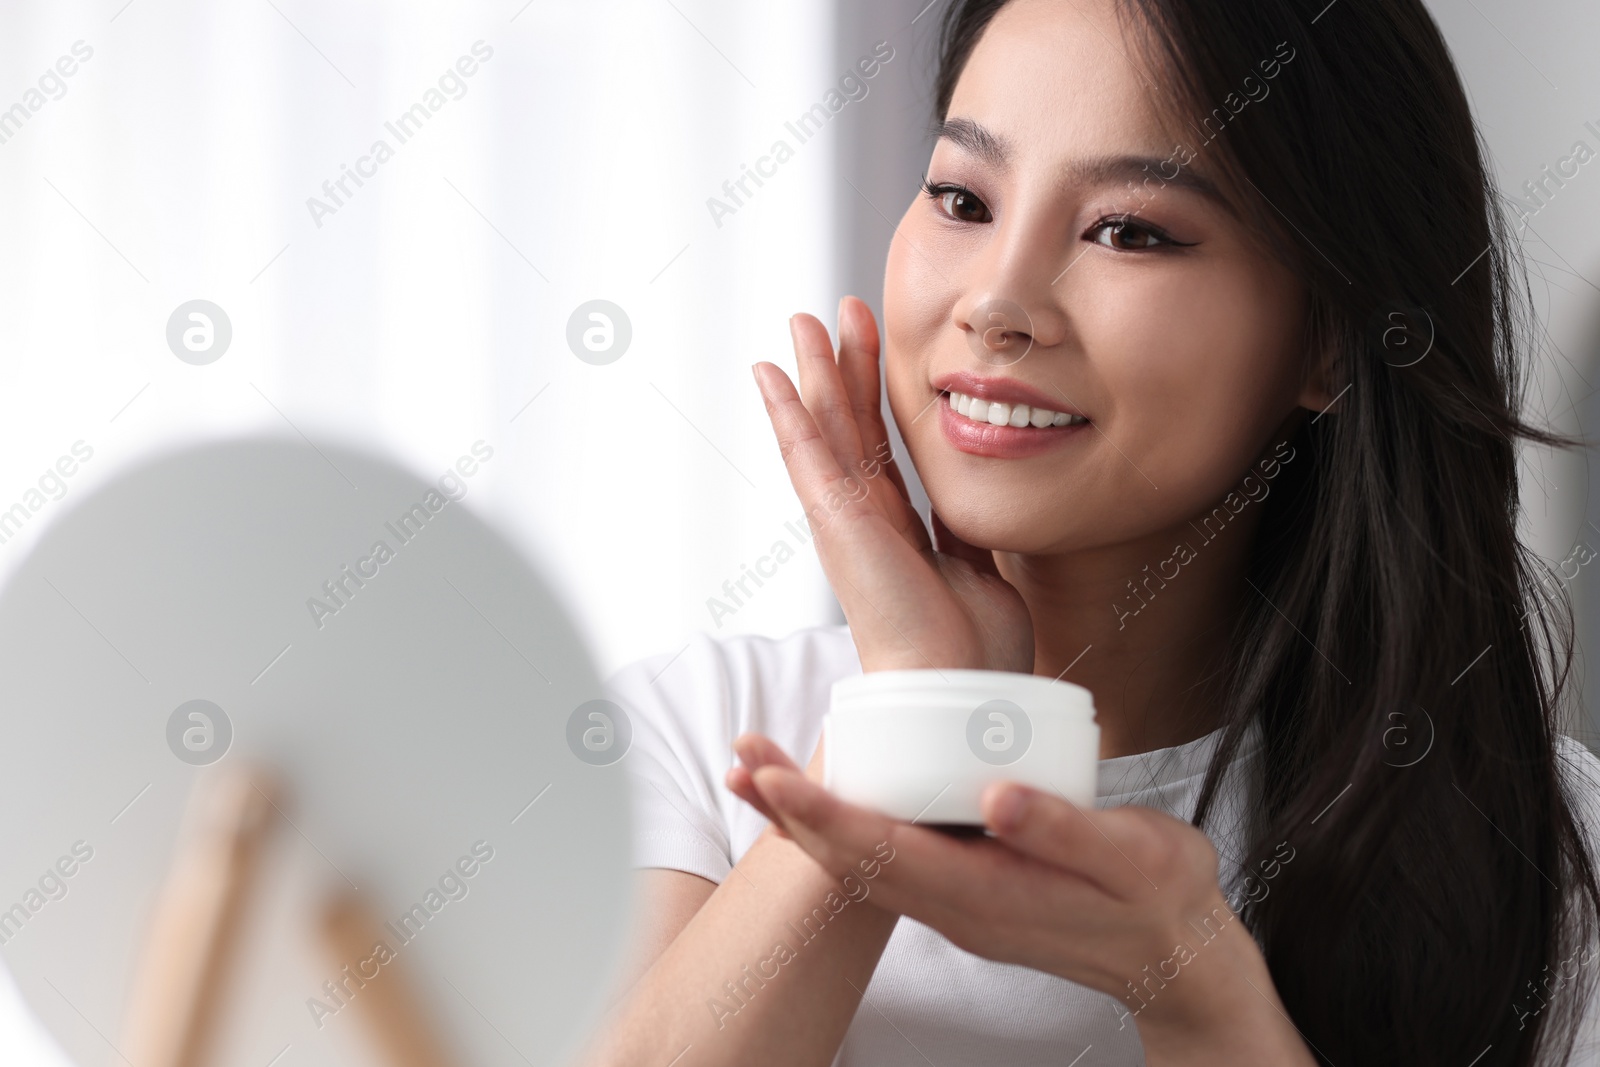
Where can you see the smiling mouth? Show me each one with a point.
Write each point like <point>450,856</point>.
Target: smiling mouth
<point>996,413</point>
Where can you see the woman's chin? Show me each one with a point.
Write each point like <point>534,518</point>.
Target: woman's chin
<point>1002,529</point>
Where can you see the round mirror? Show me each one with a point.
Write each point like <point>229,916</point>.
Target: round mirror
<point>303,717</point>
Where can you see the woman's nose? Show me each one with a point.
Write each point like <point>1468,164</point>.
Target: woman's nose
<point>1000,331</point>
<point>1013,299</point>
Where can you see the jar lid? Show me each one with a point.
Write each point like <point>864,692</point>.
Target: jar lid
<point>959,688</point>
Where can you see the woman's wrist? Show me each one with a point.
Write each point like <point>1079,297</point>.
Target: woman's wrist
<point>1220,1007</point>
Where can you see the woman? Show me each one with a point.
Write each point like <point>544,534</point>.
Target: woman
<point>1205,340</point>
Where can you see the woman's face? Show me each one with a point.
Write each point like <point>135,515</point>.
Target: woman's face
<point>1185,359</point>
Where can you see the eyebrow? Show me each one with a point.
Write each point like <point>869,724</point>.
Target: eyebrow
<point>1095,170</point>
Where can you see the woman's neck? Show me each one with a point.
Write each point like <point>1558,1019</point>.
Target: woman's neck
<point>1144,626</point>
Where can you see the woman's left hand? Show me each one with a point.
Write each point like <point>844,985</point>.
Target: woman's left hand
<point>1125,901</point>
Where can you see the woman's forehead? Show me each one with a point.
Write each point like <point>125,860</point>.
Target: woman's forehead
<point>1053,79</point>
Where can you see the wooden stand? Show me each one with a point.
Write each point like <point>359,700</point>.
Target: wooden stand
<point>181,984</point>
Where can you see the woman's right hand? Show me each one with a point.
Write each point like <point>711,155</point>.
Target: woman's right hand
<point>910,603</point>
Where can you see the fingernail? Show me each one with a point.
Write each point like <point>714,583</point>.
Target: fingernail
<point>755,371</point>
<point>1008,808</point>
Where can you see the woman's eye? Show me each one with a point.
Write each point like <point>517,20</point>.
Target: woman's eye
<point>1126,235</point>
<point>958,202</point>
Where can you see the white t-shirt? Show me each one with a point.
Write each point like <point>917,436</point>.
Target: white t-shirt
<point>928,1000</point>
<point>24,1041</point>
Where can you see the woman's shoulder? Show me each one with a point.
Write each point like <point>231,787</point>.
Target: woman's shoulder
<point>1578,755</point>
<point>683,709</point>
<point>1580,769</point>
<point>725,685</point>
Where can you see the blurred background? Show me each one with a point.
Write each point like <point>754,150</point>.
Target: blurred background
<point>560,233</point>
<point>538,157</point>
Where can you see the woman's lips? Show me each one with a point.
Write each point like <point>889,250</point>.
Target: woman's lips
<point>1005,390</point>
<point>1002,442</point>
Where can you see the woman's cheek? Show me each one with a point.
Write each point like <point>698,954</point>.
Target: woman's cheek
<point>917,303</point>
<point>1191,388</point>
<point>916,296</point>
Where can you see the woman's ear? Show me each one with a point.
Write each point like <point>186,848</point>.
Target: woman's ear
<point>1318,389</point>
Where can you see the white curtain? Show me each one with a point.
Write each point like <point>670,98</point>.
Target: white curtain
<point>555,153</point>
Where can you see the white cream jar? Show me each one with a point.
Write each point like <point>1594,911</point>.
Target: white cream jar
<point>921,744</point>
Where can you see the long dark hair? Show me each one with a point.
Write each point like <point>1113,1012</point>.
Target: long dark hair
<point>1421,919</point>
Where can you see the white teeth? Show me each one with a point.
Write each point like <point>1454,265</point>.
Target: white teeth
<point>999,414</point>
